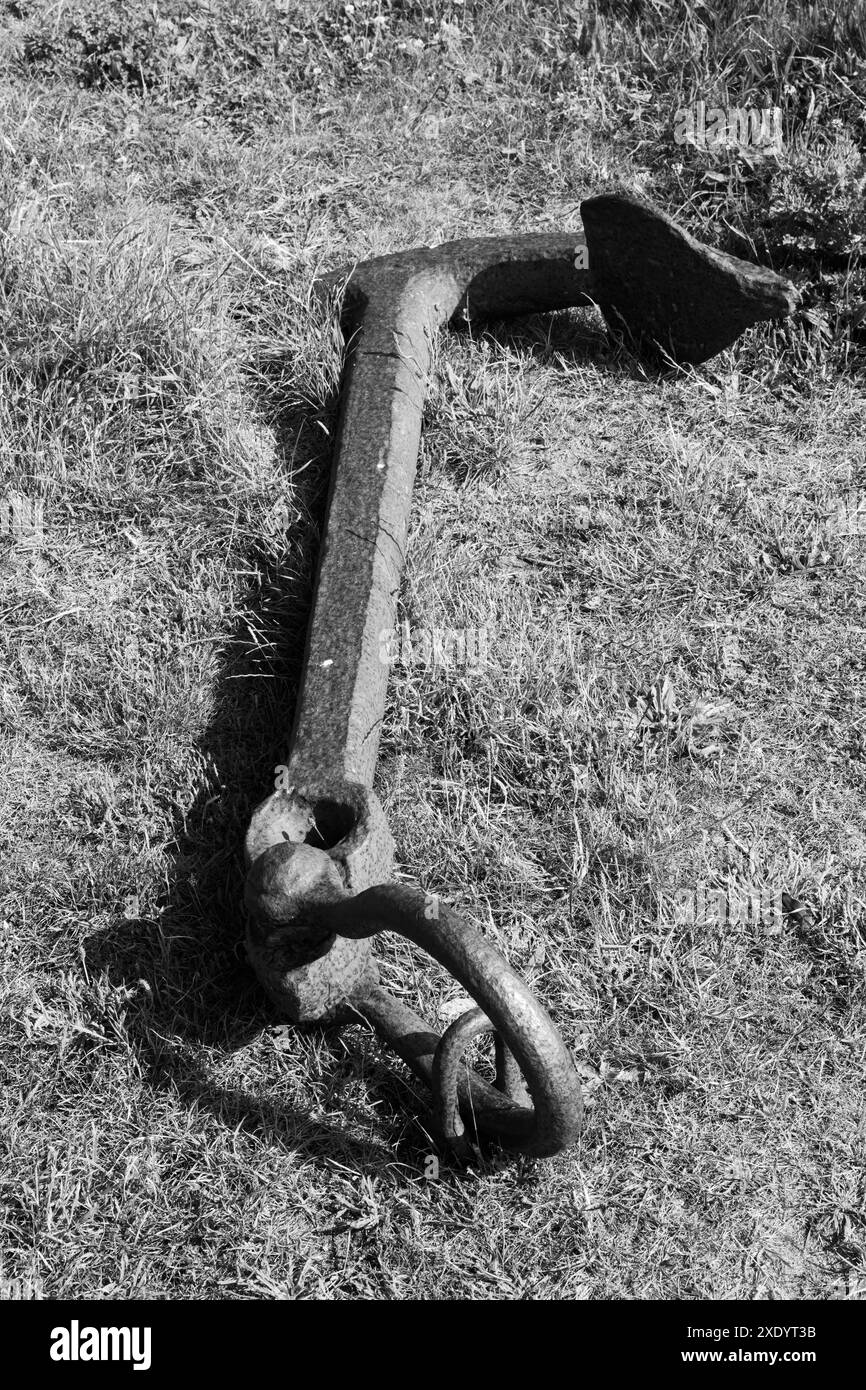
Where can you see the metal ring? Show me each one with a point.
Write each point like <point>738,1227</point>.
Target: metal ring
<point>446,1074</point>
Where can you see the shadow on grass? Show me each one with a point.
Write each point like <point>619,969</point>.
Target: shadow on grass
<point>194,1001</point>
<point>575,338</point>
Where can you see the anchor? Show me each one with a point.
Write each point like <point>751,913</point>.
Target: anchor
<point>319,852</point>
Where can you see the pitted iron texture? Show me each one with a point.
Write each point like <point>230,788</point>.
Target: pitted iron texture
<point>667,290</point>
<point>313,924</point>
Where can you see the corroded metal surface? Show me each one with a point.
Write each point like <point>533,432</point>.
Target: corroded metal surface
<point>666,290</point>
<point>304,914</point>
<point>651,279</point>
<point>395,306</point>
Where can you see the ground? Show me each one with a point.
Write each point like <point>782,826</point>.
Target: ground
<point>648,793</point>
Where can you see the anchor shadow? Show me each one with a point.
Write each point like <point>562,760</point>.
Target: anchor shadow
<point>194,1008</point>
<point>577,337</point>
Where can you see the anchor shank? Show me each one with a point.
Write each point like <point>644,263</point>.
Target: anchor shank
<point>345,674</point>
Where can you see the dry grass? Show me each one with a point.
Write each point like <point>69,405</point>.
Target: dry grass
<point>672,599</point>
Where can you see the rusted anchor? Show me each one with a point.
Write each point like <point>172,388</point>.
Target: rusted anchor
<point>318,850</point>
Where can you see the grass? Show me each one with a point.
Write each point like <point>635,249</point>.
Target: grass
<point>668,573</point>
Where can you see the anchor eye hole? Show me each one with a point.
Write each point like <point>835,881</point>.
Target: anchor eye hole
<point>333,822</point>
